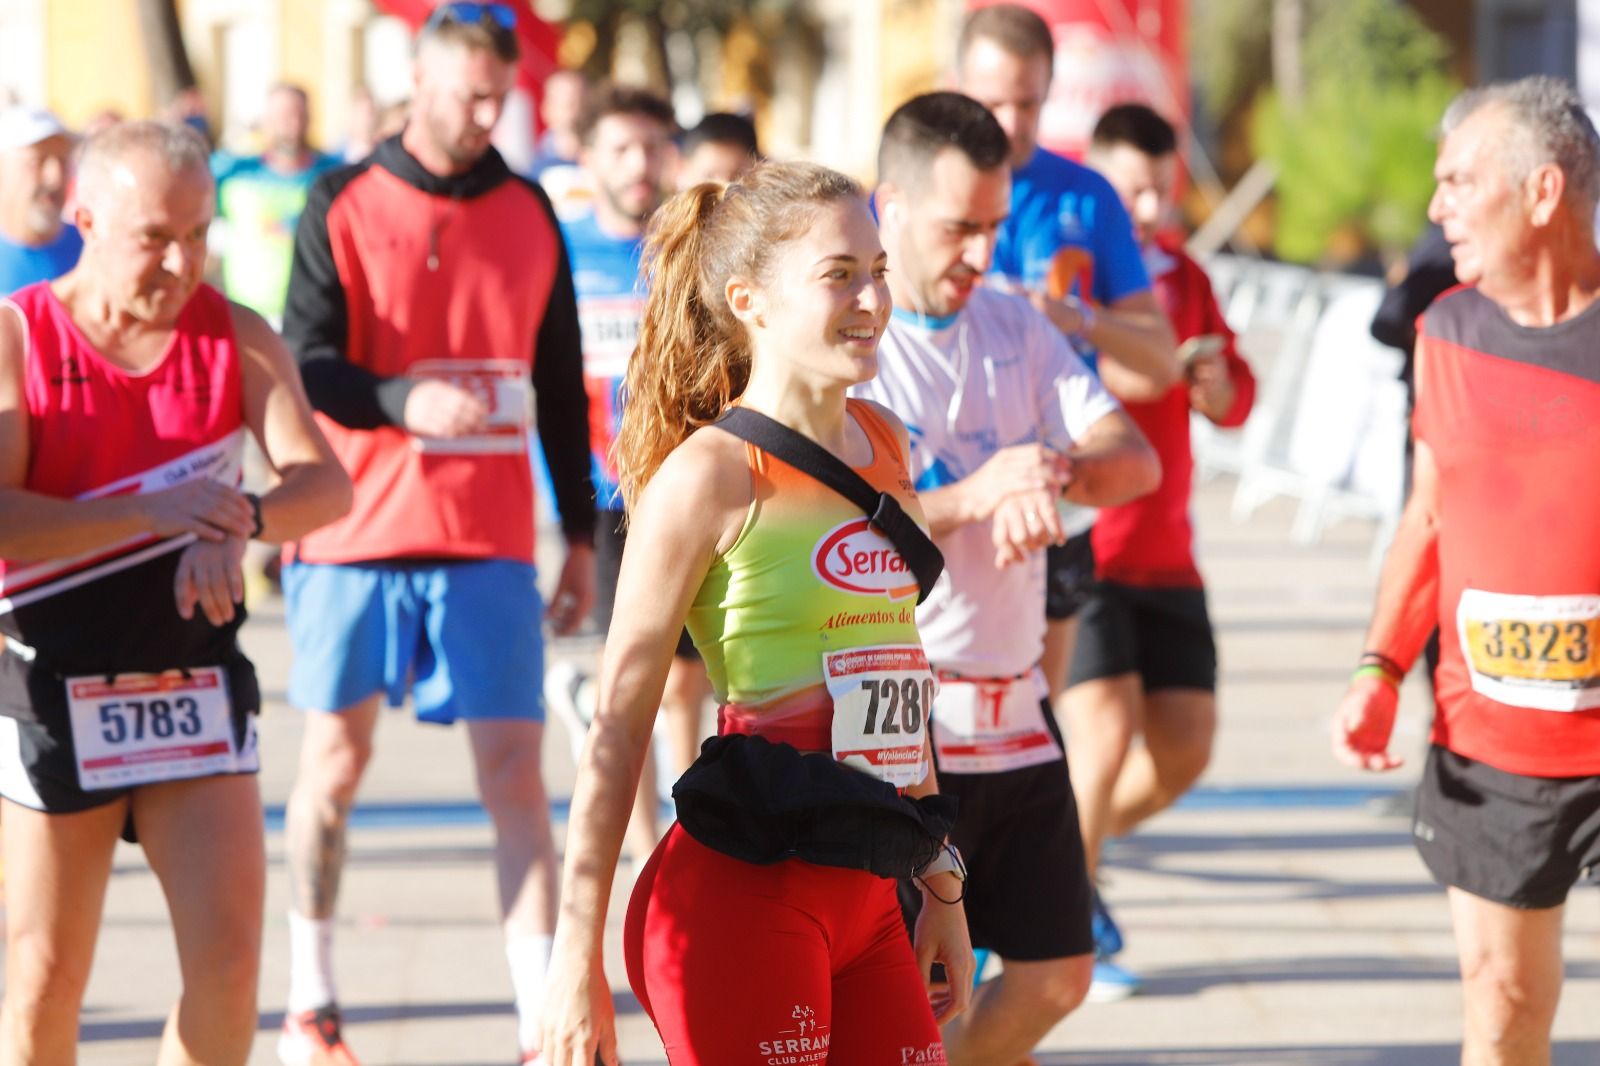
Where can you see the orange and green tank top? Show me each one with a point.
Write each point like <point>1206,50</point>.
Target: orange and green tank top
<point>807,576</point>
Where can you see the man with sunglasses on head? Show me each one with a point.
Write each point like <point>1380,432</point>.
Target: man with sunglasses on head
<point>430,295</point>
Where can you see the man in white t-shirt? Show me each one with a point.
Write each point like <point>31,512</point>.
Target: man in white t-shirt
<point>1004,420</point>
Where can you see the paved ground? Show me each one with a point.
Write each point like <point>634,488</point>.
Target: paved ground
<point>1280,916</point>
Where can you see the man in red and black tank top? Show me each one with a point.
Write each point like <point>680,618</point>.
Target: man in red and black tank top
<point>431,306</point>
<point>1497,548</point>
<point>126,389</point>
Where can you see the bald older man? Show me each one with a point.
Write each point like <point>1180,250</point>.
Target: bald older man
<point>126,705</point>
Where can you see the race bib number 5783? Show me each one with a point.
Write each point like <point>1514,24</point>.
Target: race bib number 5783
<point>135,729</point>
<point>881,699</point>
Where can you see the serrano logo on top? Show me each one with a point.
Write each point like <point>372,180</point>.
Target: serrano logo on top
<point>857,558</point>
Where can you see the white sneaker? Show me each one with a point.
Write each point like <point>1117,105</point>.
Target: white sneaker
<point>564,691</point>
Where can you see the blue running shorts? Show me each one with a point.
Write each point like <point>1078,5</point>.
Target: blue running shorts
<point>464,636</point>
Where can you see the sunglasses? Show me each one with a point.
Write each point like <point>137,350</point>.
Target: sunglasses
<point>503,16</point>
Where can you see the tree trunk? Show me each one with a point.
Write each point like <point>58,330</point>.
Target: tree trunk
<point>170,72</point>
<point>1288,31</point>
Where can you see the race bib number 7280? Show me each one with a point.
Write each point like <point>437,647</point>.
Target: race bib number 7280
<point>881,698</point>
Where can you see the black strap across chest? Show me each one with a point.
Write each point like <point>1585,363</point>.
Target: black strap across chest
<point>812,459</point>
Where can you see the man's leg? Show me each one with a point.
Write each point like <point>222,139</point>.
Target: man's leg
<point>1102,717</point>
<point>1510,978</point>
<point>506,754</point>
<point>1179,726</point>
<point>1069,581</point>
<point>215,894</point>
<point>57,869</point>
<point>1027,900</point>
<point>1012,1012</point>
<point>682,705</point>
<point>1060,637</point>
<point>334,753</point>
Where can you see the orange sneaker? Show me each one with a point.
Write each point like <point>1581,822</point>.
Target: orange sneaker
<point>312,1038</point>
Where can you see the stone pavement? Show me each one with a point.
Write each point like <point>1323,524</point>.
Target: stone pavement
<point>1279,916</point>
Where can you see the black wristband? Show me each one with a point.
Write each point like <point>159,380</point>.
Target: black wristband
<point>255,514</point>
<point>1377,658</point>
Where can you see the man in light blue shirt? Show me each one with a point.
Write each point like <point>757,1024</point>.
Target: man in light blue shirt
<point>36,243</point>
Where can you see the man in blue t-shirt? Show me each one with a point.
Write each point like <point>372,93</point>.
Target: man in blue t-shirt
<point>1068,242</point>
<point>36,243</point>
<point>625,144</point>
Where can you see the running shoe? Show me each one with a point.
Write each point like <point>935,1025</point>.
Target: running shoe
<point>564,691</point>
<point>1111,983</point>
<point>312,1038</point>
<point>1107,935</point>
<point>980,962</point>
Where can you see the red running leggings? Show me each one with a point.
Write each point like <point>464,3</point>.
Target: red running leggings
<point>784,965</point>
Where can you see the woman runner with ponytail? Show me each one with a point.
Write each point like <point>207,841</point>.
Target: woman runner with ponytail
<point>768,293</point>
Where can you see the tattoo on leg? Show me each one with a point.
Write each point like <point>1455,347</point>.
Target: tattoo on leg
<point>316,850</point>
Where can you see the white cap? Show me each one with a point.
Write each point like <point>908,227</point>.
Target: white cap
<point>22,125</point>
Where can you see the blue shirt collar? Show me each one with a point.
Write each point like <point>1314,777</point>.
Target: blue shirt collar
<point>922,321</point>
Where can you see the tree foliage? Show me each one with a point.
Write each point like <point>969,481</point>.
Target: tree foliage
<point>662,19</point>
<point>1359,151</point>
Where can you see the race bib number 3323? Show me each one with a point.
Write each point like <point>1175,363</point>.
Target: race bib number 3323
<point>1541,652</point>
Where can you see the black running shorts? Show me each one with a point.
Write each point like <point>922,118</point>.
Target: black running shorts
<point>1509,838</point>
<point>1027,890</point>
<point>1069,575</point>
<point>1161,634</point>
<point>39,764</point>
<point>609,539</point>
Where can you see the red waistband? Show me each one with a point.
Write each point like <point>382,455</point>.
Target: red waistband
<point>803,720</point>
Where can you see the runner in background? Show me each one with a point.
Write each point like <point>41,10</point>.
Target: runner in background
<point>259,200</point>
<point>1003,419</point>
<point>36,242</point>
<point>1068,243</point>
<point>425,342</point>
<point>721,148</point>
<point>1145,667</point>
<point>625,148</point>
<point>555,166</point>
<point>127,388</point>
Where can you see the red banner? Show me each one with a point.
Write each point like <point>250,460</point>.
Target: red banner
<point>1111,52</point>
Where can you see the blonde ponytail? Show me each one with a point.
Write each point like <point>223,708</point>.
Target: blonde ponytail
<point>693,357</point>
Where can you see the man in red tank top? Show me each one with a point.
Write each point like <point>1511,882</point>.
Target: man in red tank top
<point>126,388</point>
<point>431,308</point>
<point>1497,548</point>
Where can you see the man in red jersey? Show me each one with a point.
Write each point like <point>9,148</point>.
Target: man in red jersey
<point>1497,548</point>
<point>431,306</point>
<point>126,391</point>
<point>1145,661</point>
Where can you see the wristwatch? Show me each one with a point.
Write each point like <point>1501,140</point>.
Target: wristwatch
<point>1085,314</point>
<point>948,861</point>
